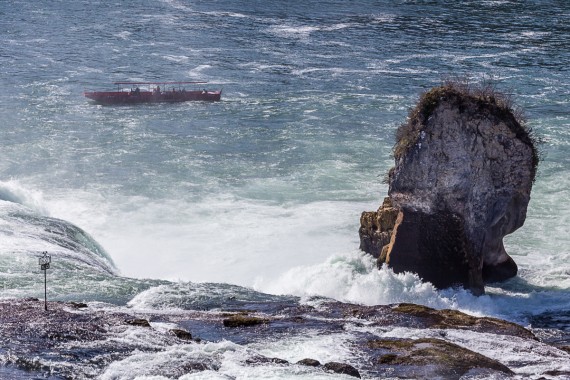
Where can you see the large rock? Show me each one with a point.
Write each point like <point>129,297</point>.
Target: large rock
<point>464,168</point>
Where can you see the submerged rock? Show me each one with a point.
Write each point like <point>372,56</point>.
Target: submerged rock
<point>309,362</point>
<point>345,369</point>
<point>240,320</point>
<point>431,358</point>
<point>181,334</point>
<point>453,319</point>
<point>256,360</point>
<point>138,322</point>
<point>464,169</point>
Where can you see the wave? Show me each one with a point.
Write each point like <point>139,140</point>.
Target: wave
<point>13,191</point>
<point>353,277</point>
<point>27,232</point>
<point>80,266</point>
<point>199,296</point>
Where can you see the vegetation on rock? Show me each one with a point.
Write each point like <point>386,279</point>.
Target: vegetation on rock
<point>459,93</point>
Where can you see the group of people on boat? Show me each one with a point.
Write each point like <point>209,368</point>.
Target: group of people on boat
<point>157,91</point>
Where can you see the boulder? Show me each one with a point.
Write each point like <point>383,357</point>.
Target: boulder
<point>240,320</point>
<point>259,360</point>
<point>309,362</point>
<point>464,169</point>
<point>345,369</point>
<point>181,334</point>
<point>432,358</point>
<point>138,322</point>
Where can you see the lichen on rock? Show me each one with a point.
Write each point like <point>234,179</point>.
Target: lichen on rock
<point>464,168</point>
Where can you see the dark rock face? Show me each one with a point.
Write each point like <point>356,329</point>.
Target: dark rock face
<point>423,247</point>
<point>464,168</point>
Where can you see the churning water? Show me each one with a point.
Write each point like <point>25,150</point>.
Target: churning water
<point>265,188</point>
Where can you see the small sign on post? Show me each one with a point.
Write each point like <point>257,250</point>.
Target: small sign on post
<point>45,260</point>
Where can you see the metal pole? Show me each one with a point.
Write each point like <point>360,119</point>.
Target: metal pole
<point>45,289</point>
<point>44,262</point>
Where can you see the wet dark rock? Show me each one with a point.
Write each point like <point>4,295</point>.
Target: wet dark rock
<point>446,319</point>
<point>138,322</point>
<point>423,317</point>
<point>30,332</point>
<point>464,169</point>
<point>186,367</point>
<point>182,334</point>
<point>88,340</point>
<point>239,320</point>
<point>431,357</point>
<point>78,305</point>
<point>194,367</point>
<point>309,362</point>
<point>430,251</point>
<point>565,374</point>
<point>263,360</point>
<point>345,369</point>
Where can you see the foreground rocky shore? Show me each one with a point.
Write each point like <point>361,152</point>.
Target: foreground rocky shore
<point>77,340</point>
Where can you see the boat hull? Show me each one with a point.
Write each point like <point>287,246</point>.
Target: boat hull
<point>132,97</point>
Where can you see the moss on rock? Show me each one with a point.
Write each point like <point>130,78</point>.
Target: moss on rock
<point>448,359</point>
<point>453,319</point>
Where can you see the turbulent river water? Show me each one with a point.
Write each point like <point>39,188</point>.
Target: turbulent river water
<point>171,205</point>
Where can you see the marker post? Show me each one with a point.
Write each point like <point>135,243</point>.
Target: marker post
<point>45,260</point>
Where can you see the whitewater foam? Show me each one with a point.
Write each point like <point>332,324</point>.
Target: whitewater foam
<point>14,191</point>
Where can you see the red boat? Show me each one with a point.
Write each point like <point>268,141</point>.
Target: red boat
<point>153,92</point>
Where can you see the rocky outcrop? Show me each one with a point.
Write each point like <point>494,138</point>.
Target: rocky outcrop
<point>66,342</point>
<point>376,229</point>
<point>464,169</point>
